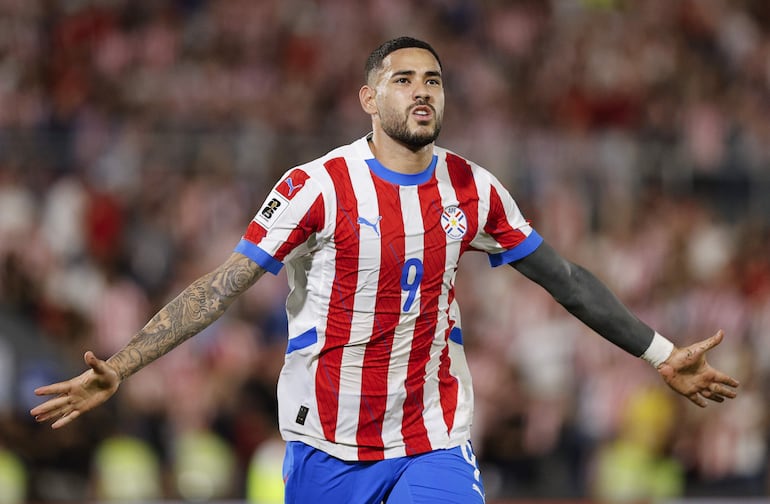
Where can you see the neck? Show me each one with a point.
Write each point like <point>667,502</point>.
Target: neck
<point>398,157</point>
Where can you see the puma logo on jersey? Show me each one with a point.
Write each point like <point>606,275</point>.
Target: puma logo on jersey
<point>292,187</point>
<point>372,225</point>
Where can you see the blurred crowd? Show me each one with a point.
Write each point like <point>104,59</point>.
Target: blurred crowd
<point>138,138</point>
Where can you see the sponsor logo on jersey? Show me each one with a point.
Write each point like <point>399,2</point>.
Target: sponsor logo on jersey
<point>274,206</point>
<point>372,224</point>
<point>270,208</point>
<point>454,222</point>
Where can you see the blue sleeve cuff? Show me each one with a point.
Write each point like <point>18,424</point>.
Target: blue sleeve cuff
<point>259,256</point>
<point>520,251</point>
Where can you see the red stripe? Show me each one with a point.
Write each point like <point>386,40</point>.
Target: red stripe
<point>254,233</point>
<point>434,264</point>
<point>341,304</point>
<point>290,189</point>
<point>374,379</point>
<point>461,176</point>
<point>447,385</point>
<point>497,223</point>
<point>311,222</point>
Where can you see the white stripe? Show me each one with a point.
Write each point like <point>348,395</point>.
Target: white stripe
<point>363,305</point>
<point>458,365</point>
<point>296,386</point>
<point>434,413</point>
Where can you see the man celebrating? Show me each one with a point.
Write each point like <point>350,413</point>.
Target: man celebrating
<point>375,397</point>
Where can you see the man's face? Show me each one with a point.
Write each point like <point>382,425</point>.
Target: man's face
<point>410,97</point>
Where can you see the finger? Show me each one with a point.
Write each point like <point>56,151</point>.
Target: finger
<point>726,392</point>
<point>51,415</point>
<point>54,388</point>
<point>55,410</point>
<point>50,405</point>
<point>726,380</point>
<point>698,400</point>
<point>711,342</point>
<point>44,417</point>
<point>98,365</point>
<point>712,396</point>
<point>93,362</point>
<point>715,388</point>
<point>48,415</point>
<point>69,417</point>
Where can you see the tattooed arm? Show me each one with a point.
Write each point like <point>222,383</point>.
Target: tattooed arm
<point>194,309</point>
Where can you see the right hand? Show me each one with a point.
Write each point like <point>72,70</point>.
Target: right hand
<point>77,395</point>
<point>687,372</point>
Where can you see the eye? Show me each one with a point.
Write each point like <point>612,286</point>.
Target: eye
<point>434,82</point>
<point>402,80</point>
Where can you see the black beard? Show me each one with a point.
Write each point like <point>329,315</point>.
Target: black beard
<point>414,141</point>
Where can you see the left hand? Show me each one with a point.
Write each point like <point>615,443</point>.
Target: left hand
<point>687,372</point>
<point>77,395</point>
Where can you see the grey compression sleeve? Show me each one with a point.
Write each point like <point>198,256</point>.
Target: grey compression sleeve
<point>587,298</point>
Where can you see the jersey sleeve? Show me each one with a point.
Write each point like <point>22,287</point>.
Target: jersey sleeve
<point>291,213</point>
<point>504,234</point>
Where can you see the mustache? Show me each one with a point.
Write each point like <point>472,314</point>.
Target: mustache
<point>421,103</point>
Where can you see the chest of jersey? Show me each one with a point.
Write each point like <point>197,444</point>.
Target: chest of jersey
<point>401,241</point>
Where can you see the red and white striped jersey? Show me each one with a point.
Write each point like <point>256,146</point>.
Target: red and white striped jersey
<point>374,365</point>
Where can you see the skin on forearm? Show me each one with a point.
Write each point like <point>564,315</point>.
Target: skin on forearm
<point>194,309</point>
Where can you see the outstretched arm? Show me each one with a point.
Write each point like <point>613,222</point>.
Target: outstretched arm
<point>194,309</point>
<point>582,294</point>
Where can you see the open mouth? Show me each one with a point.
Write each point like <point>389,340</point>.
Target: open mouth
<point>422,112</point>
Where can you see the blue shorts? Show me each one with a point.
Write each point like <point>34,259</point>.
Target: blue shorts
<point>446,476</point>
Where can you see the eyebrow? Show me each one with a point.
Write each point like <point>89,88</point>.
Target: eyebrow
<point>429,73</point>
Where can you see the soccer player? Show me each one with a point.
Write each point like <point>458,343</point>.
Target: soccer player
<point>375,398</point>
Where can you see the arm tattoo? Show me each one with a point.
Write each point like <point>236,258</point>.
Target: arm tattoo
<point>194,309</point>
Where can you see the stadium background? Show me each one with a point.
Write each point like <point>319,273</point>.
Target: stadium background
<point>137,140</point>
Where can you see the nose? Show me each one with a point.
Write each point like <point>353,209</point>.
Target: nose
<point>421,92</point>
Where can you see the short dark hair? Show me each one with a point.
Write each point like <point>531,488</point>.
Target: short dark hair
<point>374,61</point>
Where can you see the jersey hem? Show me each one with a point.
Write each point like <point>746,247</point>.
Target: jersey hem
<point>350,453</point>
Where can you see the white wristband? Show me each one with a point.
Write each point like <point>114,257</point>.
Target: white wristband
<point>659,350</point>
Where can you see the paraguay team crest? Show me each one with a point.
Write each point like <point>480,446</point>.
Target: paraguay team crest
<point>454,222</point>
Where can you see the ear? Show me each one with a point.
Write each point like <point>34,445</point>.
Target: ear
<point>366,97</point>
